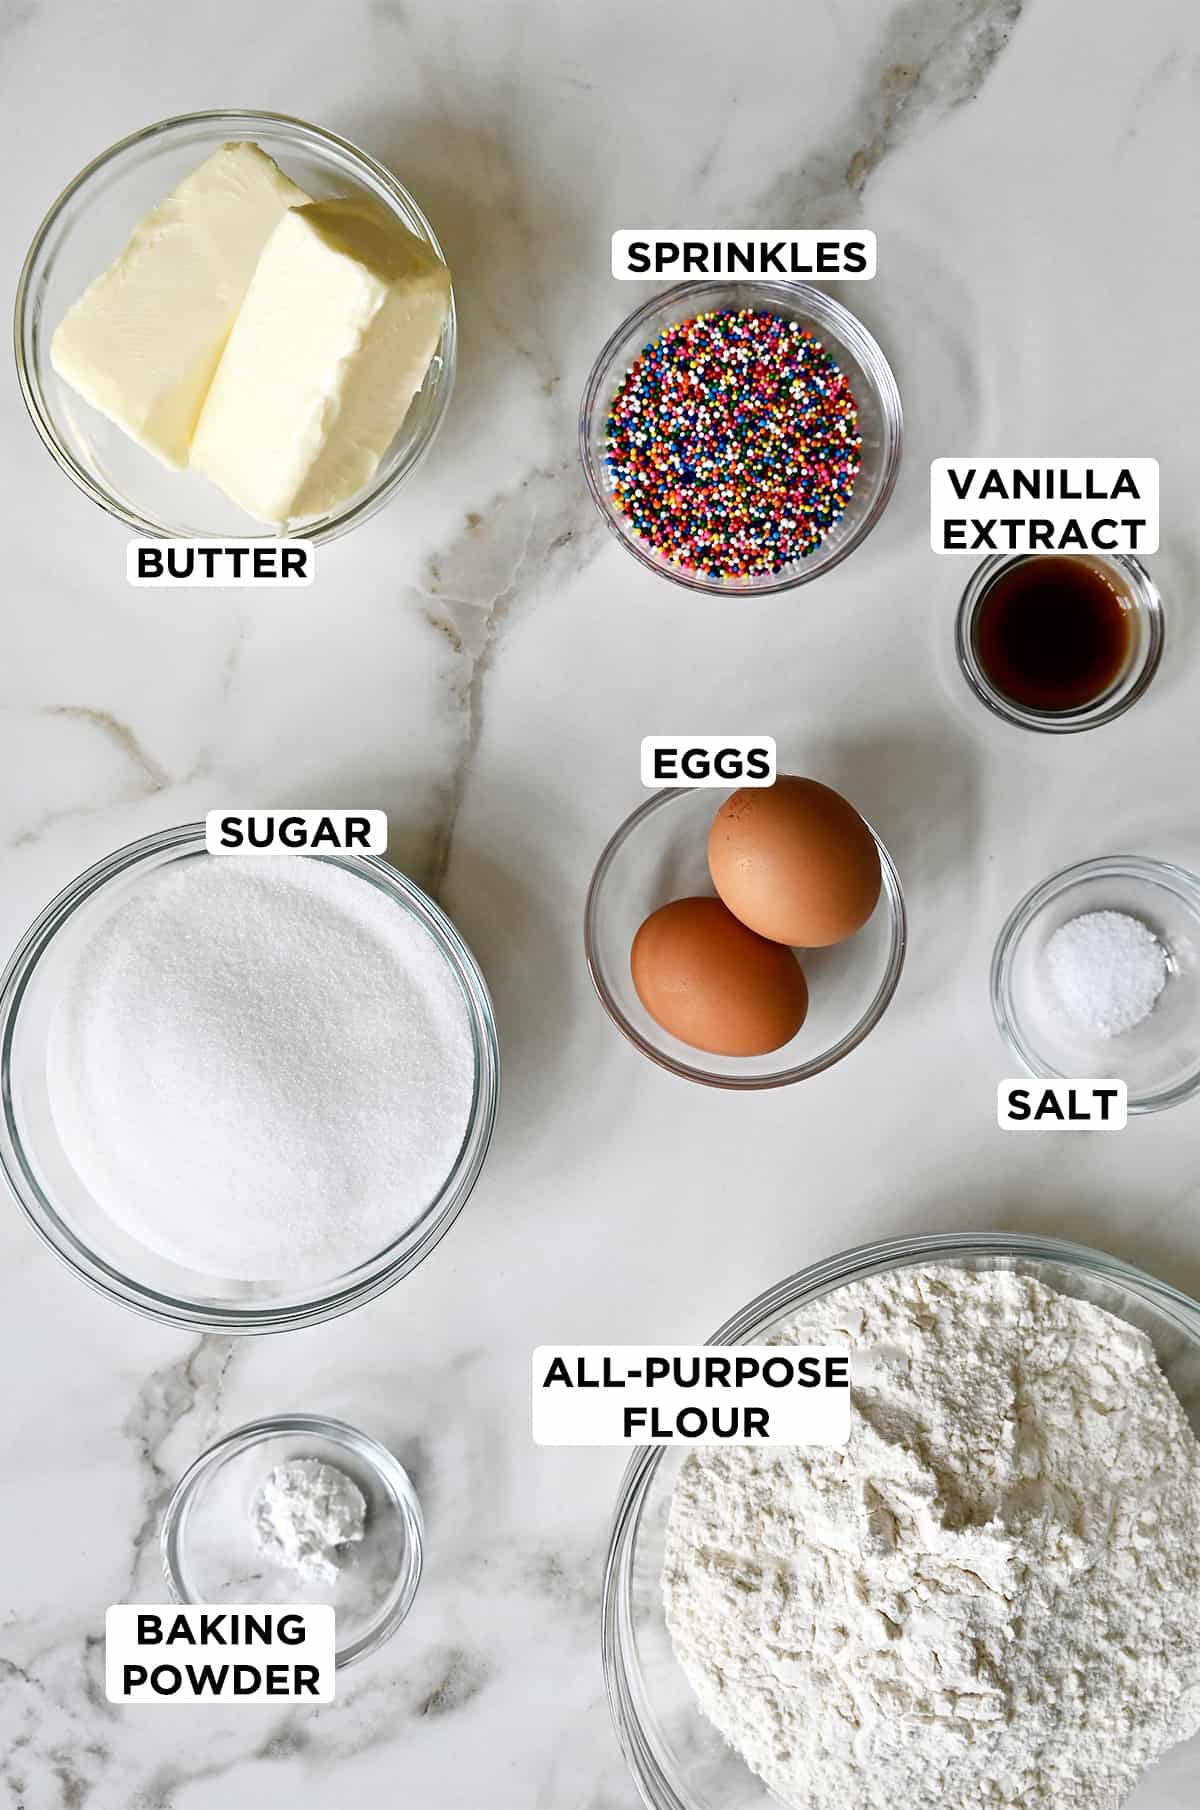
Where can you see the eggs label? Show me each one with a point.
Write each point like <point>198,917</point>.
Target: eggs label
<point>683,761</point>
<point>218,1653</point>
<point>1043,505</point>
<point>1062,1105</point>
<point>615,1395</point>
<point>647,252</point>
<point>323,832</point>
<point>222,565</point>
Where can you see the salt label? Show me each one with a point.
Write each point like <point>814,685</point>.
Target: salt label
<point>612,1395</point>
<point>1062,1105</point>
<point>1043,505</point>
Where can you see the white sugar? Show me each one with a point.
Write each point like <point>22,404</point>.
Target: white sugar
<point>262,1066</point>
<point>1107,970</point>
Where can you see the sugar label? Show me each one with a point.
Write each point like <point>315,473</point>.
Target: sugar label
<point>708,760</point>
<point>255,832</point>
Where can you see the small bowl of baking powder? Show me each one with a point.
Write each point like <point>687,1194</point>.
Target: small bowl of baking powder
<point>1096,973</point>
<point>297,1510</point>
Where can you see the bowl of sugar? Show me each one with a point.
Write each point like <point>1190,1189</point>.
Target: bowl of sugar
<point>243,1092</point>
<point>1096,974</point>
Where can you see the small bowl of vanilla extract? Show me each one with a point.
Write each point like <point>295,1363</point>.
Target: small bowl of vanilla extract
<point>1059,642</point>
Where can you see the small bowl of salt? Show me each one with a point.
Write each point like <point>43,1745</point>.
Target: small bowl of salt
<point>1097,974</point>
<point>296,1510</point>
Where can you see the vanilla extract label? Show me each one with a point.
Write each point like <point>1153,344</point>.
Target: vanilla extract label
<point>1043,505</point>
<point>612,1395</point>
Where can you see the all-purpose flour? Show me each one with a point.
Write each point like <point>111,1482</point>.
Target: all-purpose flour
<point>261,1066</point>
<point>990,1597</point>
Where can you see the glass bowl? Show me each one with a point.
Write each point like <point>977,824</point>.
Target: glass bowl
<point>1133,583</point>
<point>677,1758</point>
<point>82,234</point>
<point>78,1229</point>
<point>880,419</point>
<point>1159,1059</point>
<point>208,1550</point>
<point>660,853</point>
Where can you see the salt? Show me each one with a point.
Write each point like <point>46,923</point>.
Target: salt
<point>1107,970</point>
<point>261,1067</point>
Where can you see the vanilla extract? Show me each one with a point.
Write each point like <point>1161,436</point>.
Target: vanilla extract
<point>1054,634</point>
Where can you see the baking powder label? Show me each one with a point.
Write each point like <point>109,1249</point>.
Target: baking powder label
<point>219,1653</point>
<point>601,1395</point>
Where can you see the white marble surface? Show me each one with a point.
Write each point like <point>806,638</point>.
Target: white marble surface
<point>481,660</point>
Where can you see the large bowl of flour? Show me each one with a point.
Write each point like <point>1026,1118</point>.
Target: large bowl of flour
<point>990,1597</point>
<point>243,1092</point>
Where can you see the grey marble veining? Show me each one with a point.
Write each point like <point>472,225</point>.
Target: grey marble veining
<point>482,660</point>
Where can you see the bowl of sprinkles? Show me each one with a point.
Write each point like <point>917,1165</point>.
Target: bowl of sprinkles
<point>741,436</point>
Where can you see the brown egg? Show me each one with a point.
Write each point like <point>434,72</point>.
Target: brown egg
<point>712,983</point>
<point>795,862</point>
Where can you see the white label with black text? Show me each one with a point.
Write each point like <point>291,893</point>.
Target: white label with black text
<point>348,832</point>
<point>1043,505</point>
<point>612,1395</point>
<point>223,565</point>
<point>1024,1105</point>
<point>648,252</point>
<point>708,760</point>
<point>219,1653</point>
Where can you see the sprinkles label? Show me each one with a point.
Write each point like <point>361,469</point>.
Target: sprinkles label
<point>732,444</point>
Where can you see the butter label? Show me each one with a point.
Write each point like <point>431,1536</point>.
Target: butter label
<point>613,1395</point>
<point>222,565</point>
<point>1043,505</point>
<point>650,252</point>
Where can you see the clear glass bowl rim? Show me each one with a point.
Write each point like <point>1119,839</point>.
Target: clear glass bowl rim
<point>1176,879</point>
<point>1104,709</point>
<point>891,892</point>
<point>375,1455</point>
<point>869,353</point>
<point>785,1298</point>
<point>244,121</point>
<point>378,1273</point>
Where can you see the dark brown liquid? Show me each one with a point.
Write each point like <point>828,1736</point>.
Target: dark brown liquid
<point>1053,634</point>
